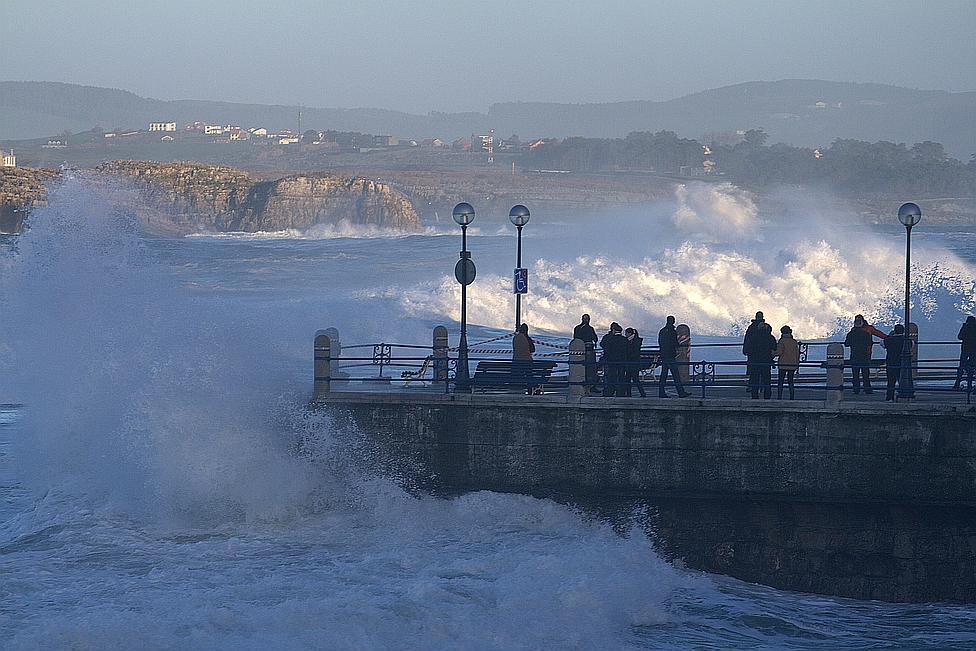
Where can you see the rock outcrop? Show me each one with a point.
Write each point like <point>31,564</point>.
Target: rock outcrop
<point>186,197</point>
<point>21,188</point>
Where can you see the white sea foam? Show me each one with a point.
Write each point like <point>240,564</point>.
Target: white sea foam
<point>714,264</point>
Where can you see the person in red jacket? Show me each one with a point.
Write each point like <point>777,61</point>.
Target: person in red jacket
<point>870,329</point>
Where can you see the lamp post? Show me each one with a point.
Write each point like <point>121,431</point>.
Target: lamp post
<point>519,215</point>
<point>464,272</point>
<point>909,214</point>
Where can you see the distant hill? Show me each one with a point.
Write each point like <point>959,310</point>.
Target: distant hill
<point>805,113</point>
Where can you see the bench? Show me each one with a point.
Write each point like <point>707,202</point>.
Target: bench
<point>507,374</point>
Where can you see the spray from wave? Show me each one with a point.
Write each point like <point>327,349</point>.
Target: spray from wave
<point>713,262</point>
<point>138,392</point>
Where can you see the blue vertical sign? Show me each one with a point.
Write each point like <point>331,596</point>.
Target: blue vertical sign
<point>521,281</point>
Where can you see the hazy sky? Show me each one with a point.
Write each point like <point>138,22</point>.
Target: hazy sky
<point>464,56</point>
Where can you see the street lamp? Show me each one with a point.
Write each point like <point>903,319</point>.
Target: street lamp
<point>519,215</point>
<point>465,272</point>
<point>909,214</point>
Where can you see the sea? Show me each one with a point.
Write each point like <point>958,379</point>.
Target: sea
<point>163,484</point>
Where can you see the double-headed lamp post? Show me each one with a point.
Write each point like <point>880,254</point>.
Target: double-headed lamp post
<point>909,214</point>
<point>464,272</point>
<point>519,215</point>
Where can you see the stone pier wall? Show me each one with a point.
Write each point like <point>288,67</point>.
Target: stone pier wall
<point>869,503</point>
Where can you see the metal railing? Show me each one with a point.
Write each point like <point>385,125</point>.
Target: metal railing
<point>719,368</point>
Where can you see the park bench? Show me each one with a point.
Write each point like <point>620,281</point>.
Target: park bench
<point>504,374</point>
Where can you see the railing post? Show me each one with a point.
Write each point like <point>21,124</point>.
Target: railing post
<point>577,369</point>
<point>913,337</point>
<point>684,351</point>
<point>323,361</point>
<point>440,348</point>
<point>835,374</point>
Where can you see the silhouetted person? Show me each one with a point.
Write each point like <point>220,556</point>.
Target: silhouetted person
<point>751,332</point>
<point>585,332</point>
<point>967,354</point>
<point>522,349</point>
<point>894,345</point>
<point>667,341</point>
<point>759,349</point>
<point>788,360</point>
<point>634,343</point>
<point>614,347</point>
<point>859,341</point>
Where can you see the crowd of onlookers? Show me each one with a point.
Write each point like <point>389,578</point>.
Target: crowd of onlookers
<point>621,361</point>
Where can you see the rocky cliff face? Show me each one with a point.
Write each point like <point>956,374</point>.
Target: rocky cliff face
<point>185,197</point>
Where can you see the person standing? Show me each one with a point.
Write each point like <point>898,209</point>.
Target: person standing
<point>788,360</point>
<point>859,341</point>
<point>585,333</point>
<point>522,349</point>
<point>894,345</point>
<point>667,341</point>
<point>871,330</point>
<point>614,347</point>
<point>759,352</point>
<point>634,343</point>
<point>967,354</point>
<point>751,332</point>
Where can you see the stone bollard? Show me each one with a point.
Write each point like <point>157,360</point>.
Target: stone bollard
<point>684,352</point>
<point>577,369</point>
<point>440,354</point>
<point>835,374</point>
<point>333,335</point>
<point>323,360</point>
<point>913,337</point>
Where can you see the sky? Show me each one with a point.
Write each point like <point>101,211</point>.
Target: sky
<point>462,56</point>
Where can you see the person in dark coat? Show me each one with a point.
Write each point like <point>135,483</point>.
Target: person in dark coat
<point>859,341</point>
<point>614,347</point>
<point>894,345</point>
<point>751,332</point>
<point>759,350</point>
<point>967,356</point>
<point>634,343</point>
<point>585,332</point>
<point>667,341</point>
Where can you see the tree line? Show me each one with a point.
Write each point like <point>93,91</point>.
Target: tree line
<point>850,167</point>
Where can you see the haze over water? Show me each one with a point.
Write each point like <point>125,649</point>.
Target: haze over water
<point>163,485</point>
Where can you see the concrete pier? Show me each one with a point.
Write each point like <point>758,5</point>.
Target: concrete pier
<point>864,501</point>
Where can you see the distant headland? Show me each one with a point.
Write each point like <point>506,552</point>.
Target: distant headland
<point>174,199</point>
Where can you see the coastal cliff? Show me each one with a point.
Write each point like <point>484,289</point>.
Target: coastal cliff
<point>173,199</point>
<point>188,197</point>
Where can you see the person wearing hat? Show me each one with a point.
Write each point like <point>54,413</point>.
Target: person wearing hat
<point>967,355</point>
<point>614,347</point>
<point>788,356</point>
<point>893,344</point>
